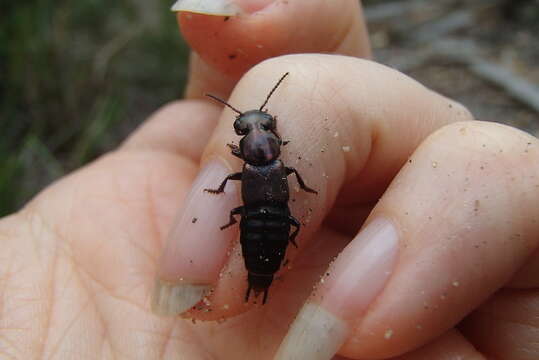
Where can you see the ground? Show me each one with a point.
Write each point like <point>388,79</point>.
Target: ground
<point>76,77</point>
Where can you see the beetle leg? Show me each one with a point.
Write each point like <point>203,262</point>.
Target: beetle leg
<point>235,176</point>
<point>294,222</point>
<point>248,292</point>
<point>235,150</point>
<point>235,211</point>
<point>290,170</point>
<point>265,296</point>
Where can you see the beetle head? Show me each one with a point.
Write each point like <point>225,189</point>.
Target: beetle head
<point>254,120</point>
<point>261,143</point>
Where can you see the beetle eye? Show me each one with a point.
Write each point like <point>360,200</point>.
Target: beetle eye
<point>267,124</point>
<point>239,128</point>
<point>240,131</point>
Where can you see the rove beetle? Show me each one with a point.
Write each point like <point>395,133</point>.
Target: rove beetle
<point>265,217</point>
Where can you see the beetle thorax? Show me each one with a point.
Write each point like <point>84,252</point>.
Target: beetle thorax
<point>260,144</point>
<point>260,147</point>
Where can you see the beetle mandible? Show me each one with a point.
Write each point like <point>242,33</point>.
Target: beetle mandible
<point>265,217</point>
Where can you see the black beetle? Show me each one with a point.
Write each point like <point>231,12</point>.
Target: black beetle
<point>265,217</point>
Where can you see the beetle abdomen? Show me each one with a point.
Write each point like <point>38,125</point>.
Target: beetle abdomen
<point>265,232</point>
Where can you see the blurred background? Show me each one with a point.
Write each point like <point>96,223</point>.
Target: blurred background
<point>77,76</point>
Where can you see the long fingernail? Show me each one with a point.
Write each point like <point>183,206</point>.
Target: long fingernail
<point>221,7</point>
<point>171,299</point>
<point>208,7</point>
<point>351,284</point>
<point>315,334</point>
<point>196,247</point>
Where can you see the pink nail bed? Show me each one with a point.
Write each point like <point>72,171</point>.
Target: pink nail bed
<point>251,6</point>
<point>196,247</point>
<point>361,271</point>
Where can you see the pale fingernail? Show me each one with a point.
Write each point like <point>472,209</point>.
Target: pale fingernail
<point>196,247</point>
<point>315,334</point>
<point>208,7</point>
<point>171,299</point>
<point>354,280</point>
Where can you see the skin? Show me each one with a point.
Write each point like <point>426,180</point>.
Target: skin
<point>78,262</point>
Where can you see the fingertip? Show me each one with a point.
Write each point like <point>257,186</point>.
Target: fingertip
<point>464,233</point>
<point>351,284</point>
<point>196,248</point>
<point>264,29</point>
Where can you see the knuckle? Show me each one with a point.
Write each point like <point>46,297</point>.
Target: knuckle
<point>486,138</point>
<point>500,157</point>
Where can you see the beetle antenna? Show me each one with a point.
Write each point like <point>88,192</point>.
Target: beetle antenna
<point>272,90</point>
<point>224,102</point>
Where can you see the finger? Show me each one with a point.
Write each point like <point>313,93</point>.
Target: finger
<point>226,47</point>
<point>337,126</point>
<point>506,327</point>
<point>457,222</point>
<point>180,128</point>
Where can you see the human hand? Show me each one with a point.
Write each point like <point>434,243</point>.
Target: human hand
<point>79,260</point>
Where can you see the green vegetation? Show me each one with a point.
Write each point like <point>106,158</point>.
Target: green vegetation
<point>75,78</point>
